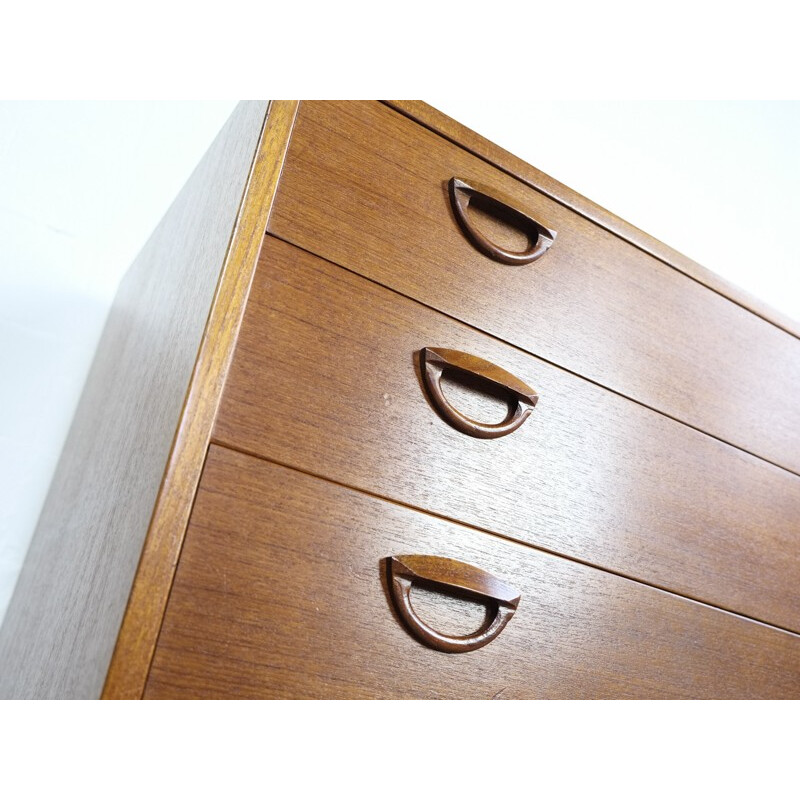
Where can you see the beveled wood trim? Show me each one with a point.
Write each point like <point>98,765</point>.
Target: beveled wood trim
<point>133,653</point>
<point>462,136</point>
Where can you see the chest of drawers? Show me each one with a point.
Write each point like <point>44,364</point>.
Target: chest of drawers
<point>446,430</point>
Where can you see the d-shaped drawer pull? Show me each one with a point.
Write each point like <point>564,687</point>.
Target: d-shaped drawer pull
<point>451,575</point>
<point>435,360</point>
<point>461,194</point>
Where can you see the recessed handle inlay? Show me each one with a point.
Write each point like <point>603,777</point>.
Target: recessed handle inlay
<point>435,360</point>
<point>461,194</point>
<point>457,576</point>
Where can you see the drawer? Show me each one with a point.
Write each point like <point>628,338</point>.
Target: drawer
<point>282,591</point>
<point>324,379</point>
<point>366,188</point>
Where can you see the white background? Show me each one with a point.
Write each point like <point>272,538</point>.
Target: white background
<point>85,183</point>
<point>571,50</point>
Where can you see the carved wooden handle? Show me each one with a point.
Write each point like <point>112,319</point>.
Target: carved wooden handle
<point>463,578</point>
<point>434,361</point>
<point>541,237</point>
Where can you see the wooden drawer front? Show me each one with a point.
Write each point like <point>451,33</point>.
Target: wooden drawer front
<point>366,188</point>
<point>324,379</point>
<point>281,592</point>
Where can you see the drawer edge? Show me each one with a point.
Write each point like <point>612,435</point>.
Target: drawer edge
<point>458,134</point>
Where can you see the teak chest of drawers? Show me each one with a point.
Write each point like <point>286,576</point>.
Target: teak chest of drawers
<point>382,411</point>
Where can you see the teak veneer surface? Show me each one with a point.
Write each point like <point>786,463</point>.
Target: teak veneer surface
<point>148,598</point>
<point>459,134</point>
<point>60,628</point>
<point>281,592</point>
<point>365,187</point>
<point>324,379</point>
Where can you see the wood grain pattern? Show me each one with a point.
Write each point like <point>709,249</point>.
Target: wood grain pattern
<point>137,637</point>
<point>63,620</point>
<point>464,196</point>
<point>366,188</point>
<point>281,593</point>
<point>459,134</point>
<point>325,379</point>
<point>406,573</point>
<point>437,362</point>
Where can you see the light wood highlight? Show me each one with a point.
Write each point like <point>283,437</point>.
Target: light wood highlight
<point>61,625</point>
<point>366,188</point>
<point>139,631</point>
<point>326,379</point>
<point>281,593</point>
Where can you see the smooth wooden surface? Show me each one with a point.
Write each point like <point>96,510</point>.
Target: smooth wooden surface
<point>463,196</point>
<point>139,631</point>
<point>474,143</point>
<point>63,620</point>
<point>436,363</point>
<point>325,378</point>
<point>281,592</point>
<point>366,188</point>
<point>407,573</point>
